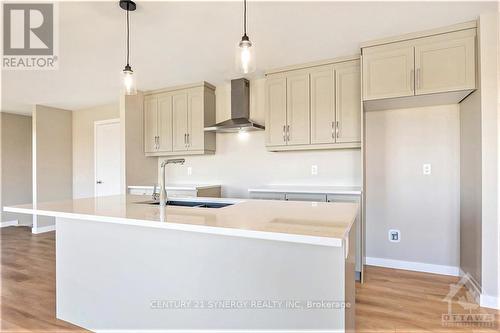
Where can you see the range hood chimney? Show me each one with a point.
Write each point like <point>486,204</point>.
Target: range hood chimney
<point>240,110</point>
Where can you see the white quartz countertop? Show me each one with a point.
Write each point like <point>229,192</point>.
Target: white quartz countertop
<point>317,223</point>
<point>310,189</point>
<point>177,187</point>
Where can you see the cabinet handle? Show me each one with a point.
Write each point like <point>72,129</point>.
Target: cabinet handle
<point>337,129</point>
<point>418,78</point>
<point>185,140</point>
<point>188,139</point>
<point>412,81</point>
<point>333,130</point>
<point>284,133</point>
<point>287,132</point>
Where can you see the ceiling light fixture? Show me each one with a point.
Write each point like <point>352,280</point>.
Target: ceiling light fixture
<point>128,74</point>
<point>245,51</point>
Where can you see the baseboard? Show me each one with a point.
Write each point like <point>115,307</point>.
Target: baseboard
<point>40,230</point>
<point>472,286</point>
<point>492,302</point>
<point>413,266</point>
<point>9,223</point>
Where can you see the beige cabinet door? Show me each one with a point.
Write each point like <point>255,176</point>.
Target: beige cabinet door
<point>275,111</point>
<point>298,109</point>
<point>180,121</point>
<point>196,128</point>
<point>322,105</point>
<point>445,63</point>
<point>150,124</point>
<point>165,122</point>
<point>348,103</point>
<point>388,71</point>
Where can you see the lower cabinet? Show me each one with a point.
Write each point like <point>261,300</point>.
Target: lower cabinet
<point>323,197</point>
<point>305,197</point>
<point>212,191</point>
<point>267,196</point>
<point>359,229</point>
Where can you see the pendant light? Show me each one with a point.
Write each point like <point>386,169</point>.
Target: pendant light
<point>128,74</point>
<point>245,51</point>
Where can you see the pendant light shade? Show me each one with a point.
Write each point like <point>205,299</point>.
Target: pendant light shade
<point>245,50</point>
<point>129,82</point>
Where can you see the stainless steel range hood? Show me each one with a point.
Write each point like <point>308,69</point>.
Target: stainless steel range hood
<point>240,110</point>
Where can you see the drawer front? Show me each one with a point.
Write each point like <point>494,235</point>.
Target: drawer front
<point>343,198</point>
<point>306,197</point>
<point>267,196</point>
<point>179,193</point>
<point>140,191</point>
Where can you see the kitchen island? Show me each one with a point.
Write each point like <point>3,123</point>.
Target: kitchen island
<point>125,264</point>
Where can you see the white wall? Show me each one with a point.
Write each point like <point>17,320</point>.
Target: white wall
<point>137,169</point>
<point>15,165</point>
<point>470,186</point>
<point>241,163</point>
<point>490,135</point>
<point>83,146</point>
<point>52,158</point>
<point>425,208</point>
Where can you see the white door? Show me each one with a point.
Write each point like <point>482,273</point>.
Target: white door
<point>195,139</point>
<point>107,158</point>
<point>445,63</point>
<point>388,71</point>
<point>298,109</point>
<point>275,111</point>
<point>348,105</point>
<point>322,105</point>
<point>180,121</point>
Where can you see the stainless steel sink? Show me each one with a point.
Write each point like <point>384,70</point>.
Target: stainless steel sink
<point>194,204</point>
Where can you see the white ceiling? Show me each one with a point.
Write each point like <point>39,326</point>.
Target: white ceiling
<point>183,42</point>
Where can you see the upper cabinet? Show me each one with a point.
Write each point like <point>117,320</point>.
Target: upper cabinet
<point>175,118</point>
<point>314,106</point>
<point>388,71</point>
<point>439,65</point>
<point>445,63</point>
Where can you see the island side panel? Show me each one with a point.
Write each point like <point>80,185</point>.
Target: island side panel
<point>350,281</point>
<point>113,276</point>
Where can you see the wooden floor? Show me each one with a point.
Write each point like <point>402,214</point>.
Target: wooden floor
<point>390,300</point>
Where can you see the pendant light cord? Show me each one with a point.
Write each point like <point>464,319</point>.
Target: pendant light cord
<point>128,37</point>
<point>245,17</point>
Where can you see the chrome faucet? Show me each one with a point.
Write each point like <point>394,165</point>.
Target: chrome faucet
<point>163,190</point>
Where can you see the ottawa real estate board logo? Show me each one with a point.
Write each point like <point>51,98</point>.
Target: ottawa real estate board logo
<point>30,36</point>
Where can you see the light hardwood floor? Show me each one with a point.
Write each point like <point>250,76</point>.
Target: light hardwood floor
<point>390,300</point>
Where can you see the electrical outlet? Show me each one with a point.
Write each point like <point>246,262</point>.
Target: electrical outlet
<point>190,171</point>
<point>427,169</point>
<point>314,170</point>
<point>394,236</point>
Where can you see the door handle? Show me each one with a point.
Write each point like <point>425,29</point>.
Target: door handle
<point>99,182</point>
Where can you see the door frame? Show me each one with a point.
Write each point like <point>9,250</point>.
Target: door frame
<point>98,123</point>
